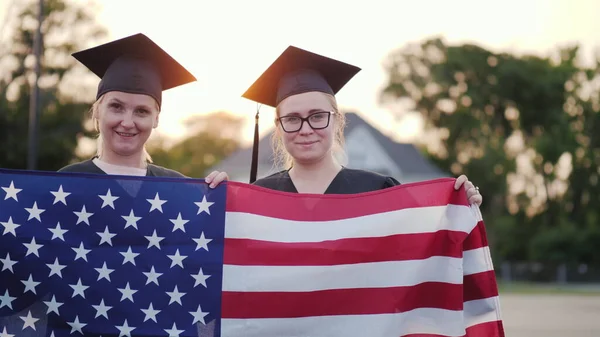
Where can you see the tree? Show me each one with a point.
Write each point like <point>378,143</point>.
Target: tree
<point>212,138</point>
<point>63,99</point>
<point>515,125</point>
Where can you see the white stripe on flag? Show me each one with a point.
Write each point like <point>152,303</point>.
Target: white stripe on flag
<point>406,221</point>
<point>364,275</point>
<point>475,261</point>
<point>481,311</point>
<point>422,320</point>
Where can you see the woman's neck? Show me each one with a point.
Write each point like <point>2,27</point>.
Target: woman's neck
<point>314,177</point>
<point>112,158</point>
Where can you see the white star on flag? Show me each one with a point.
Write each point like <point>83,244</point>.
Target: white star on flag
<point>58,232</point>
<point>60,196</point>
<point>78,289</point>
<point>5,334</point>
<point>204,205</point>
<point>11,191</point>
<point>129,256</point>
<point>173,332</point>
<point>32,247</point>
<point>152,276</point>
<point>7,263</point>
<point>175,296</point>
<point>177,259</point>
<point>202,242</point>
<point>6,300</point>
<point>108,200</point>
<point>131,220</point>
<point>200,278</point>
<point>178,223</point>
<point>56,268</point>
<point>83,216</point>
<point>35,212</point>
<point>104,272</point>
<point>156,203</point>
<point>76,325</point>
<point>154,240</point>
<point>29,321</point>
<point>30,284</point>
<point>101,309</point>
<point>81,252</point>
<point>150,313</point>
<point>53,305</point>
<point>10,227</point>
<point>127,292</point>
<point>106,236</point>
<point>199,315</point>
<point>125,330</point>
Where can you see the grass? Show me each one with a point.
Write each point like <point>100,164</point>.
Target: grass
<point>548,288</point>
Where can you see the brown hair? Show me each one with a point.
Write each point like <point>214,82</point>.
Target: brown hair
<point>95,111</point>
<point>282,157</point>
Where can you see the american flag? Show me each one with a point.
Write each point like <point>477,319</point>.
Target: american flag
<point>97,255</point>
<point>129,256</point>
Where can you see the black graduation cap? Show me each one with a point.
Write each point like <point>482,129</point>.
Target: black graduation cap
<point>297,71</point>
<point>294,72</point>
<point>134,64</point>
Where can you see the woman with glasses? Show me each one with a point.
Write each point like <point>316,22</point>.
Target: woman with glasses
<point>309,134</point>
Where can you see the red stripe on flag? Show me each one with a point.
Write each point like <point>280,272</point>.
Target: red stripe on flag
<point>341,301</point>
<point>480,285</point>
<point>399,247</point>
<point>477,238</point>
<point>257,200</point>
<point>487,329</point>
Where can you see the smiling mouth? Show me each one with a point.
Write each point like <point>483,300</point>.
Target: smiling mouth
<point>125,134</point>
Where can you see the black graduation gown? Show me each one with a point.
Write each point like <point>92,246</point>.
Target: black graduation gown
<point>88,166</point>
<point>347,181</point>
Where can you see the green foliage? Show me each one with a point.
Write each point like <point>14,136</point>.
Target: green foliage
<point>510,237</point>
<point>65,29</point>
<point>557,244</point>
<point>498,113</point>
<point>213,138</point>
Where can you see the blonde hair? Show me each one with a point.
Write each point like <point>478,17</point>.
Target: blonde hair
<point>283,159</point>
<point>95,111</point>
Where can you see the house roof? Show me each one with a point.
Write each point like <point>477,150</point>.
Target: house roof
<point>405,155</point>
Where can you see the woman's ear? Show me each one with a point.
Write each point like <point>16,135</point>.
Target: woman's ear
<point>277,129</point>
<point>155,124</point>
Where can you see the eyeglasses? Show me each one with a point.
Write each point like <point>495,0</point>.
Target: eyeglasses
<point>317,121</point>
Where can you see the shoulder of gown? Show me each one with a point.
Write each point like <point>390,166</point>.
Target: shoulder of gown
<point>352,181</point>
<point>159,171</point>
<point>86,166</point>
<point>348,181</point>
<point>279,181</point>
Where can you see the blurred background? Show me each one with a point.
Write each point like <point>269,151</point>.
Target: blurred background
<point>507,93</point>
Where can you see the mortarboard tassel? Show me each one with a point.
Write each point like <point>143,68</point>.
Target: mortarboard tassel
<point>254,165</point>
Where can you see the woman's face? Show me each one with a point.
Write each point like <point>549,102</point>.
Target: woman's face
<point>305,144</point>
<point>126,121</point>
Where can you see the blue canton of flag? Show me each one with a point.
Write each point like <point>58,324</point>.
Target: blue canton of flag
<point>94,255</point>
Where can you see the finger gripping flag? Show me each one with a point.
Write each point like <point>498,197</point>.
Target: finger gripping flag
<point>91,255</point>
